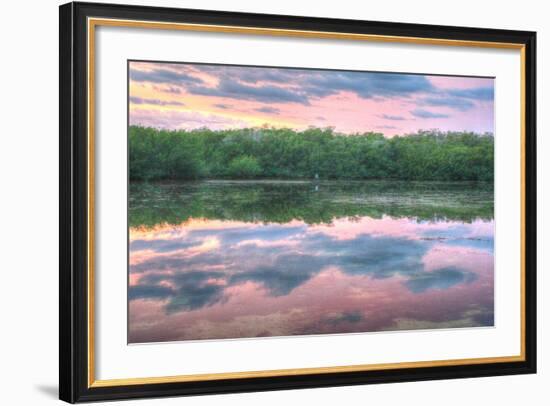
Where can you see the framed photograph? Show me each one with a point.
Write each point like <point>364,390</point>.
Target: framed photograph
<point>257,202</point>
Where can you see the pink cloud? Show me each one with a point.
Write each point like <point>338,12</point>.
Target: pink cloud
<point>349,102</point>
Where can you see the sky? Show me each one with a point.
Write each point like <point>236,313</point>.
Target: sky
<point>190,96</point>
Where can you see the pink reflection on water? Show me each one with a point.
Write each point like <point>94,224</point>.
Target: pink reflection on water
<point>346,229</point>
<point>452,285</point>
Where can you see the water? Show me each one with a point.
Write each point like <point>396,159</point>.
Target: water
<point>229,259</point>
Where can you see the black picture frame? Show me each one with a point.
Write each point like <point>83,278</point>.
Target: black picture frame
<point>74,385</point>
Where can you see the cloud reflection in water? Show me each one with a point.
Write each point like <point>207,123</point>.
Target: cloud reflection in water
<point>228,279</point>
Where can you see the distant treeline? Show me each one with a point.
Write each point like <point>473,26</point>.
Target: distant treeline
<point>316,152</point>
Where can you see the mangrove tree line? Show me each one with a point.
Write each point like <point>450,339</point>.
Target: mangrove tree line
<point>316,152</point>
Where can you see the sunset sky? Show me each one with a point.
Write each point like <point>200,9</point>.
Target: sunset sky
<point>188,96</point>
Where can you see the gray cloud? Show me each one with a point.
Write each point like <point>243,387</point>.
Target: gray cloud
<point>347,317</point>
<point>242,82</point>
<point>420,113</point>
<point>284,275</point>
<point>478,93</point>
<point>455,103</point>
<point>311,84</point>
<point>273,75</point>
<point>191,290</point>
<point>459,99</point>
<point>165,76</point>
<point>365,84</point>
<point>157,102</point>
<point>149,292</point>
<point>439,279</point>
<point>168,89</point>
<point>223,106</point>
<point>233,89</point>
<point>268,110</point>
<point>392,118</point>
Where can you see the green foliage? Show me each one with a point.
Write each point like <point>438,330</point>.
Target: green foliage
<point>272,153</point>
<point>277,201</point>
<point>162,155</point>
<point>244,167</point>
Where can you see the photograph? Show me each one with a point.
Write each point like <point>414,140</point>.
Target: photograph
<point>286,201</point>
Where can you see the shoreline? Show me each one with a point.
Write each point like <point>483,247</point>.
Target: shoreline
<point>308,181</point>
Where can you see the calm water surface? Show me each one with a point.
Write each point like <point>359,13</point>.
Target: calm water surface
<point>227,259</point>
